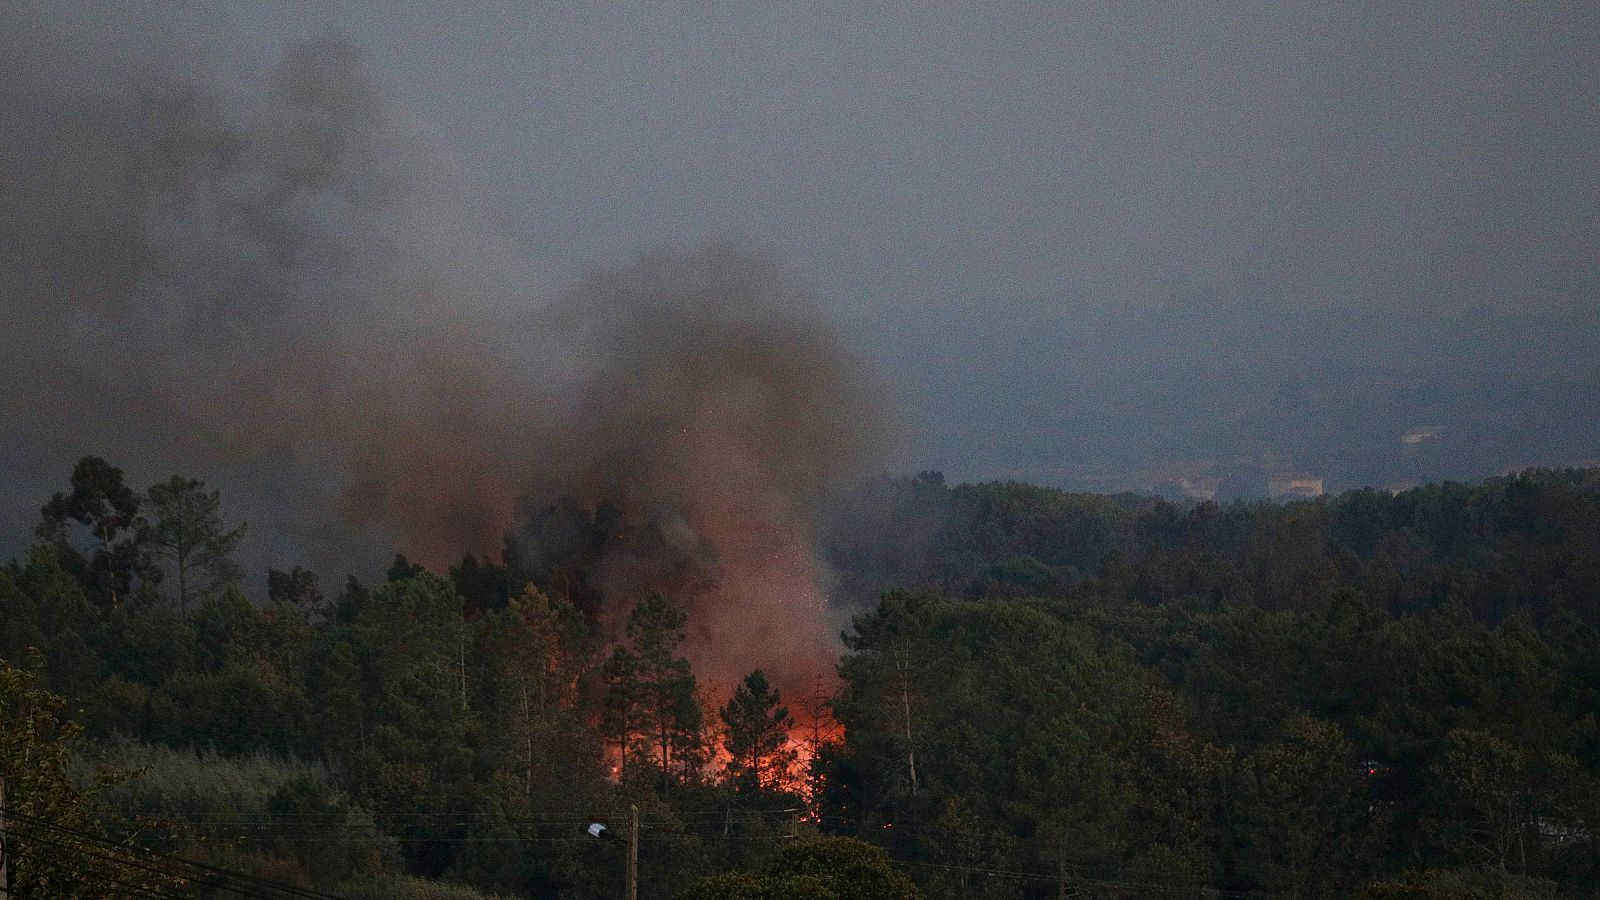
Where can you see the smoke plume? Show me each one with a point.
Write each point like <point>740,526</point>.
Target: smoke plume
<point>294,297</point>
<point>718,409</point>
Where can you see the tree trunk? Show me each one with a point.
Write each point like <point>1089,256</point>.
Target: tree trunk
<point>905,707</point>
<point>527,733</point>
<point>462,649</point>
<point>105,550</point>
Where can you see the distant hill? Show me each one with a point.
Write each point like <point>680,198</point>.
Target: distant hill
<point>1528,541</point>
<point>1086,394</point>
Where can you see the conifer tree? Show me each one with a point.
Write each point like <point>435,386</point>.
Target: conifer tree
<point>651,705</point>
<point>757,739</point>
<point>185,529</point>
<point>101,504</point>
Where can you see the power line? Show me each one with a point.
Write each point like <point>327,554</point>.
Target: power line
<point>145,858</point>
<point>135,888</point>
<point>124,861</point>
<point>670,834</point>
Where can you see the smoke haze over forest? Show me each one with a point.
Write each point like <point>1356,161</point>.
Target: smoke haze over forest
<point>441,438</point>
<point>299,298</point>
<point>1105,249</point>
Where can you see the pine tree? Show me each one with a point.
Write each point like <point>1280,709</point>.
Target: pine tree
<point>757,740</point>
<point>651,707</point>
<point>532,663</point>
<point>108,510</point>
<point>185,528</point>
<point>298,587</point>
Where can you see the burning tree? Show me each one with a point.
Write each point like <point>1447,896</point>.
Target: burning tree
<point>757,740</point>
<point>651,707</point>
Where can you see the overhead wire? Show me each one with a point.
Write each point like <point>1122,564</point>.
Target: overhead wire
<point>136,864</point>
<point>144,857</point>
<point>668,831</point>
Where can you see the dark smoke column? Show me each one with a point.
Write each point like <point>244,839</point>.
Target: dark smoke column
<point>295,296</point>
<point>719,406</point>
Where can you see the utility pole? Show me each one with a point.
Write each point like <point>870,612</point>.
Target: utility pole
<point>633,853</point>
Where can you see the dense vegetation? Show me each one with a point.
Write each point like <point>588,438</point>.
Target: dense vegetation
<point>1043,692</point>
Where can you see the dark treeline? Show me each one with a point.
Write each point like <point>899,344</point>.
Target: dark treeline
<point>1526,543</point>
<point>1043,694</point>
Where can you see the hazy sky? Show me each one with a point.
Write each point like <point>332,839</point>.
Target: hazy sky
<point>1429,156</point>
<point>1097,244</point>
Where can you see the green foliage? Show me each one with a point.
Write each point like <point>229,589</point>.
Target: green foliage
<point>298,586</point>
<point>1460,885</point>
<point>531,660</point>
<point>652,710</point>
<point>99,500</point>
<point>852,869</point>
<point>1187,745</point>
<point>1106,695</point>
<point>1525,541</point>
<point>242,811</point>
<point>107,511</point>
<point>1036,729</point>
<point>833,868</point>
<point>745,886</point>
<point>1303,805</point>
<point>183,529</point>
<point>56,840</point>
<point>401,887</point>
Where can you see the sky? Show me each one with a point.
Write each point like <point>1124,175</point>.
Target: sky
<point>1105,246</point>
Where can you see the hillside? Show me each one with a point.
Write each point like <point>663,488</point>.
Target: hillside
<point>1040,690</point>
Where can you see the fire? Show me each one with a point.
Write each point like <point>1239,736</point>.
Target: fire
<point>812,728</point>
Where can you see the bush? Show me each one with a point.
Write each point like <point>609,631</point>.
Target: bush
<point>404,887</point>
<point>1461,885</point>
<point>256,807</point>
<point>854,869</point>
<point>744,886</point>
<point>832,868</point>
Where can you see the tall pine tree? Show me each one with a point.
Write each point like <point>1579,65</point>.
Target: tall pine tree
<point>108,510</point>
<point>757,739</point>
<point>184,529</point>
<point>652,710</point>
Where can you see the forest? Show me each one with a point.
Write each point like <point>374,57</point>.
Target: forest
<point>1038,694</point>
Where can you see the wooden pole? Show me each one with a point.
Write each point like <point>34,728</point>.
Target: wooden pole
<point>633,853</point>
